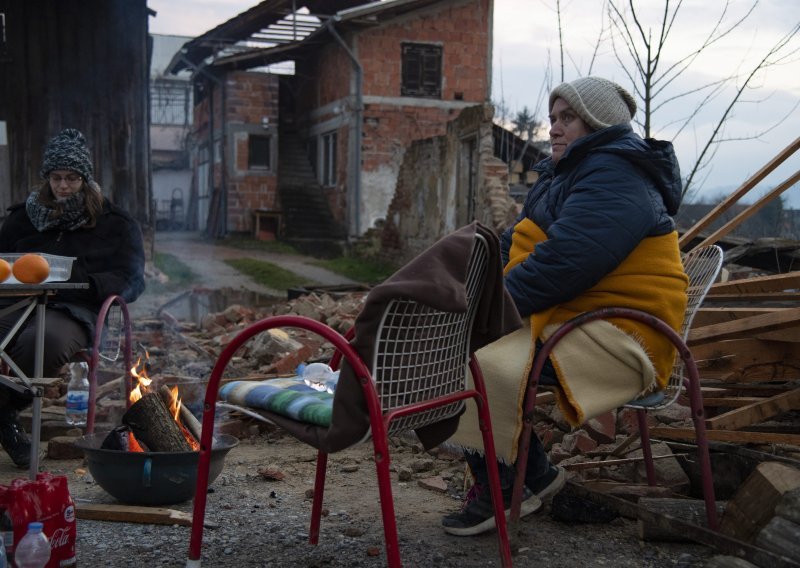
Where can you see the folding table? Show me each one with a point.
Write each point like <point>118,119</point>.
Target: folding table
<point>31,298</point>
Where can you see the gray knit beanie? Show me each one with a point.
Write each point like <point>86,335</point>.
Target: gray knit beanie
<point>599,102</point>
<point>68,151</point>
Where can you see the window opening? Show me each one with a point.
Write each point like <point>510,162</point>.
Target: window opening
<point>421,70</point>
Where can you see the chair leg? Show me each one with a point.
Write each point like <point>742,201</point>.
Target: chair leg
<point>200,494</point>
<point>647,451</point>
<point>381,445</point>
<point>698,417</point>
<point>319,492</point>
<point>494,484</point>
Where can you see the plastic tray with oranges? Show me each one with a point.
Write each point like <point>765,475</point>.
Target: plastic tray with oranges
<point>60,266</point>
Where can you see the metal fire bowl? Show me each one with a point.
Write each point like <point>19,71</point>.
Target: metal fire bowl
<point>150,478</point>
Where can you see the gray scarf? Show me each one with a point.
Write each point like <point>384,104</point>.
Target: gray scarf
<point>44,218</point>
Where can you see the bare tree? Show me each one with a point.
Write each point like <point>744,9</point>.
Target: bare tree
<point>640,55</point>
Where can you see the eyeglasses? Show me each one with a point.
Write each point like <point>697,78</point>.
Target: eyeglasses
<point>69,178</point>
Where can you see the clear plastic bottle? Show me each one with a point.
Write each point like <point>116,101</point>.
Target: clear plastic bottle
<point>320,376</point>
<point>78,394</point>
<point>3,560</point>
<point>33,551</point>
<point>6,536</point>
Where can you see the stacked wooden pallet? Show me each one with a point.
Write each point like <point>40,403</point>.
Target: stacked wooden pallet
<point>746,340</point>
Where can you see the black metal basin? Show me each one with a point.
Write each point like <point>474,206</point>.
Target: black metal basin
<point>150,478</point>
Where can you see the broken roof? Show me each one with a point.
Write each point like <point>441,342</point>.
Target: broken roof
<point>280,30</point>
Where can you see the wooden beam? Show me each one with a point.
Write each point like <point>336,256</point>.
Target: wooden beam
<point>132,514</point>
<point>736,195</point>
<point>730,401</point>
<point>756,412</point>
<point>754,297</point>
<point>709,316</point>
<point>757,284</point>
<point>748,360</point>
<point>734,436</point>
<point>751,210</point>
<point>745,327</point>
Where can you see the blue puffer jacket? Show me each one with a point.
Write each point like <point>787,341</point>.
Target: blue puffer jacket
<point>610,190</point>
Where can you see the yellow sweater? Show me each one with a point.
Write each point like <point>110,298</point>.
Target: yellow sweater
<point>650,279</point>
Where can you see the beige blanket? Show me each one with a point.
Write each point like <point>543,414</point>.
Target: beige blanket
<point>599,350</point>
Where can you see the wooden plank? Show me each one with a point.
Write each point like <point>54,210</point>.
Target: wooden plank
<point>751,209</point>
<point>745,327</point>
<point>754,297</point>
<point>730,401</point>
<point>710,316</point>
<point>690,510</point>
<point>758,284</point>
<point>734,436</point>
<point>756,412</point>
<point>748,360</point>
<point>740,191</point>
<point>605,463</point>
<point>132,514</point>
<point>719,542</point>
<point>753,504</point>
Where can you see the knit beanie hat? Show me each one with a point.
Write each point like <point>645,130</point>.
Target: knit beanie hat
<point>68,151</point>
<point>599,102</point>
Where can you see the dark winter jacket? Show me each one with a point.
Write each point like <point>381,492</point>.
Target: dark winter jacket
<point>610,190</point>
<point>110,257</point>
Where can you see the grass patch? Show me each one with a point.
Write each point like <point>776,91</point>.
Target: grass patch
<point>358,269</point>
<point>267,274</point>
<point>179,274</point>
<point>249,243</point>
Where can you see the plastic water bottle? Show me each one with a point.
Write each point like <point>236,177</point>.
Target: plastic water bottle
<point>33,551</point>
<point>6,537</point>
<point>78,394</point>
<point>3,560</point>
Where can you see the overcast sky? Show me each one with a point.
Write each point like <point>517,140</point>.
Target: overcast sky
<point>526,46</point>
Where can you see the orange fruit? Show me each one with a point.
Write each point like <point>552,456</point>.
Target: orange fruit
<point>31,269</point>
<point>5,270</point>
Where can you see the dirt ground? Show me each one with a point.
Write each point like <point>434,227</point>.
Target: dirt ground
<point>255,521</point>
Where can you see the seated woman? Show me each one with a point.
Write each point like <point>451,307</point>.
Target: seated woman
<point>595,231</point>
<point>67,216</point>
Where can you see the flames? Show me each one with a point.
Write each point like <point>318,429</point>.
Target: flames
<point>143,382</point>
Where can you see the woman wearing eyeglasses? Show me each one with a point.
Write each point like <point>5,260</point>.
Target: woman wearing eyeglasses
<point>67,216</point>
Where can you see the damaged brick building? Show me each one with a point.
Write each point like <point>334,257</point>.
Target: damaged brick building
<point>315,155</point>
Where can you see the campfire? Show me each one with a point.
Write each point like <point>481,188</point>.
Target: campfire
<point>156,420</point>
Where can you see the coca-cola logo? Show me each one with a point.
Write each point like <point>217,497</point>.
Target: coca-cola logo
<point>60,538</point>
<point>69,514</point>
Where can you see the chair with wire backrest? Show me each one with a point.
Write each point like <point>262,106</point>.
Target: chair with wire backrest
<point>112,337</point>
<point>416,376</point>
<point>701,265</point>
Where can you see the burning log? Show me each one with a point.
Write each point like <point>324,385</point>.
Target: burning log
<point>150,421</point>
<point>191,423</point>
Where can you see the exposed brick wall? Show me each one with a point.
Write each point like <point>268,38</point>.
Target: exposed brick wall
<point>432,193</point>
<point>249,97</point>
<point>391,122</point>
<point>462,31</point>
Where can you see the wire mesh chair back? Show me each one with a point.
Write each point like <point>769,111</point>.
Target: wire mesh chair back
<point>422,353</point>
<point>701,265</point>
<point>113,334</point>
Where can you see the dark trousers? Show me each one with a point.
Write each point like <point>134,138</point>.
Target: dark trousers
<point>538,463</point>
<point>63,337</point>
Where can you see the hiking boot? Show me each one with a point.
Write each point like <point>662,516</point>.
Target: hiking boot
<point>547,485</point>
<point>14,440</point>
<point>477,514</point>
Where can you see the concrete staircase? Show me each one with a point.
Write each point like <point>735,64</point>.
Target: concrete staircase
<point>307,219</point>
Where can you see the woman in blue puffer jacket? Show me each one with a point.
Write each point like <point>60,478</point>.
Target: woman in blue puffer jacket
<point>596,230</point>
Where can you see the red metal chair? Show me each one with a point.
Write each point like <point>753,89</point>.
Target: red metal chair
<point>112,337</point>
<point>417,377</point>
<point>702,265</point>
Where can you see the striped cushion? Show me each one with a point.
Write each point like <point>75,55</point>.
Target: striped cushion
<point>290,397</point>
